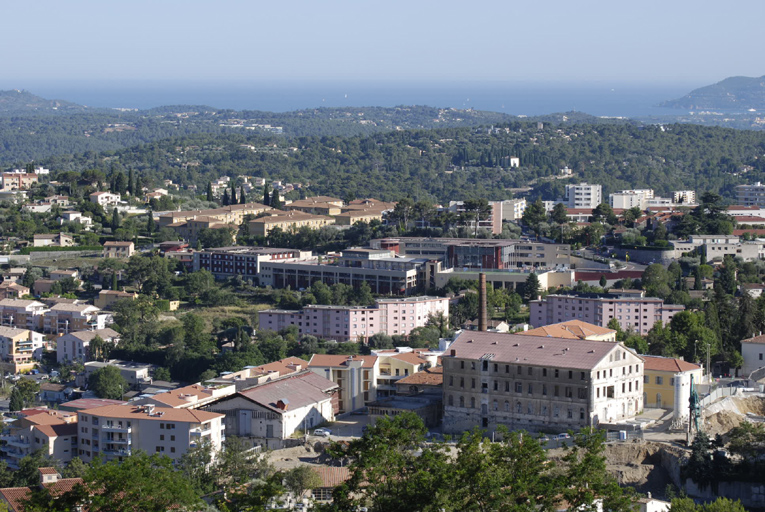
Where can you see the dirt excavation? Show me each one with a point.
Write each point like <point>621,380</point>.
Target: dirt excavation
<point>728,413</point>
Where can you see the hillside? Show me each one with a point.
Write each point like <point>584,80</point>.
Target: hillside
<point>24,102</point>
<point>734,93</point>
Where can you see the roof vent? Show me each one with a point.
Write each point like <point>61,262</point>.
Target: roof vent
<point>493,342</point>
<point>541,346</point>
<point>591,352</point>
<point>470,341</point>
<point>516,344</point>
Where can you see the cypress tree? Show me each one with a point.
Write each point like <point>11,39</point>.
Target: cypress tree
<point>17,401</point>
<point>131,183</point>
<point>115,219</point>
<point>209,192</point>
<point>242,196</point>
<point>150,223</point>
<point>114,280</point>
<point>266,195</point>
<point>225,201</point>
<point>276,201</point>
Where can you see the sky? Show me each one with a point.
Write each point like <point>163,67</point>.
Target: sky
<point>645,41</point>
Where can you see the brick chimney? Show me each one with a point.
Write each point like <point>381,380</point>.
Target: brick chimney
<point>482,313</point>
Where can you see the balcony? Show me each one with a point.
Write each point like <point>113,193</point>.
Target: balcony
<point>117,428</point>
<point>117,453</point>
<point>15,441</point>
<point>123,440</point>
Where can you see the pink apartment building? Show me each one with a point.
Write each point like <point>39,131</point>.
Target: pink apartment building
<point>350,323</point>
<point>638,314</point>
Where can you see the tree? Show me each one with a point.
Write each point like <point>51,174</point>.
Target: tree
<point>196,466</point>
<point>603,281</point>
<point>107,382</point>
<point>719,505</point>
<point>402,213</point>
<point>225,201</point>
<point>276,201</point>
<point>300,479</point>
<point>216,237</point>
<point>558,214</point>
<point>28,390</point>
<point>162,373</point>
<point>531,288</point>
<point>266,195</point>
<point>380,341</point>
<point>76,468</point>
<point>242,196</point>
<point>115,219</point>
<point>150,226</point>
<point>17,401</point>
<point>534,215</point>
<point>143,482</point>
<point>237,465</point>
<point>210,197</point>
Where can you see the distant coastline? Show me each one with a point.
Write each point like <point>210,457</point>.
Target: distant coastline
<point>618,100</point>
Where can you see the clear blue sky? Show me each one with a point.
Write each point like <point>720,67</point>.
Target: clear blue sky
<point>643,41</point>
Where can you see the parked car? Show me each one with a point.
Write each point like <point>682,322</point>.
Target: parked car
<point>322,432</point>
<point>563,436</point>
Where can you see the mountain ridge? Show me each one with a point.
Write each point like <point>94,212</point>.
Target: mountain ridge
<point>732,93</point>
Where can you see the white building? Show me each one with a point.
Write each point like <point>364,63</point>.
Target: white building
<point>356,377</point>
<point>512,209</point>
<point>684,197</point>
<point>751,195</point>
<point>78,217</point>
<point>584,195</point>
<point>269,413</point>
<point>105,198</point>
<point>534,382</point>
<point>753,352</point>
<point>117,431</point>
<point>626,199</point>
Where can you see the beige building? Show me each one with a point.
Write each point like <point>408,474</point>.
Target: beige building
<point>24,314</point>
<point>394,365</point>
<point>19,349</point>
<point>233,214</point>
<point>287,221</point>
<point>574,330</point>
<point>118,249</point>
<point>350,217</point>
<point>64,318</point>
<point>356,377</point>
<point>660,379</point>
<point>538,383</point>
<point>117,431</point>
<point>11,290</point>
<point>316,206</point>
<point>108,297</point>
<point>54,432</point>
<point>52,240</point>
<point>190,397</point>
<point>189,229</point>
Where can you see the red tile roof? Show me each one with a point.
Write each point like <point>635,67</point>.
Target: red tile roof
<point>16,497</point>
<point>757,339</point>
<point>332,476</point>
<point>668,364</point>
<point>427,377</point>
<point>572,329</point>
<point>340,361</point>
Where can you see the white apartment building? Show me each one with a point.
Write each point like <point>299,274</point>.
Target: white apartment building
<point>684,197</point>
<point>584,195</point>
<point>117,431</point>
<point>23,314</point>
<point>19,348</point>
<point>512,209</point>
<point>64,318</point>
<point>538,383</point>
<point>626,199</point>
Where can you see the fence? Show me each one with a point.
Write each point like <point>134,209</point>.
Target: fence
<point>717,394</point>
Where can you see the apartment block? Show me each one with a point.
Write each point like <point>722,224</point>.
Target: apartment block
<point>492,222</point>
<point>64,318</point>
<point>751,195</point>
<point>584,195</point>
<point>18,181</point>
<point>118,431</point>
<point>353,323</point>
<point>54,432</point>
<point>627,199</point>
<point>224,262</point>
<point>287,221</point>
<point>637,314</point>
<point>538,383</point>
<point>19,349</point>
<point>355,376</point>
<point>513,209</point>
<point>189,229</point>
<point>23,314</point>
<point>233,214</point>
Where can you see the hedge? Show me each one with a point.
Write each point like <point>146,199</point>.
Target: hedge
<point>27,250</point>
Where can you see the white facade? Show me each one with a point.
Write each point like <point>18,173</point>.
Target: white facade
<point>751,195</point>
<point>584,195</point>
<point>684,196</point>
<point>512,209</point>
<point>753,352</point>
<point>105,198</point>
<point>75,345</point>
<point>626,199</point>
<point>117,431</point>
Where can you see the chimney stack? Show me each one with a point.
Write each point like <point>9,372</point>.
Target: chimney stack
<point>482,314</point>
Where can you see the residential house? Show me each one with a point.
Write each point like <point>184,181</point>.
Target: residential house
<point>331,477</point>
<point>429,381</point>
<point>117,431</point>
<point>15,498</point>
<point>77,217</point>
<point>270,413</point>
<point>394,365</point>
<point>105,199</point>
<point>753,352</point>
<point>53,393</point>
<point>662,375</point>
<point>255,375</point>
<point>538,383</point>
<point>53,240</point>
<point>75,346</point>
<point>12,290</point>
<point>58,200</point>
<point>106,298</point>
<point>118,249</point>
<point>135,374</point>
<point>356,377</point>
<point>59,274</point>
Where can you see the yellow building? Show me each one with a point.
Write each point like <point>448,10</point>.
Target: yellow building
<point>659,379</point>
<point>574,329</point>
<point>350,217</point>
<point>233,214</point>
<point>108,297</point>
<point>287,221</point>
<point>394,366</point>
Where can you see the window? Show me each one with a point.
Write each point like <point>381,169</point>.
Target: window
<point>172,449</point>
<point>557,373</point>
<point>671,381</point>
<point>582,393</point>
<point>462,401</point>
<point>530,371</point>
<point>160,449</point>
<point>531,389</point>
<point>570,414</point>
<point>496,366</point>
<point>519,387</point>
<point>610,392</point>
<point>451,400</point>
<point>645,378</point>
<point>507,406</point>
<point>495,405</point>
<point>462,382</point>
<point>451,380</point>
<point>581,376</point>
<point>659,380</point>
<point>472,402</point>
<point>162,437</point>
<point>472,365</point>
<point>624,387</point>
<point>496,385</point>
<point>544,372</point>
<point>570,374</point>
<point>462,365</point>
<point>556,390</point>
<point>172,438</point>
<point>520,370</point>
<point>507,368</point>
<point>472,383</point>
<point>569,392</point>
<point>507,386</point>
<point>518,407</point>
<point>544,389</point>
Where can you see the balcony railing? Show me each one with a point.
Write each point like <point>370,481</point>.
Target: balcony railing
<point>117,453</point>
<point>116,428</point>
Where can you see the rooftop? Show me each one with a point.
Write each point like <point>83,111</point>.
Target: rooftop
<point>668,364</point>
<point>297,390</point>
<point>426,377</point>
<point>340,361</point>
<point>571,329</point>
<point>158,414</point>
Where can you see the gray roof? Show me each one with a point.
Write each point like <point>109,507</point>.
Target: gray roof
<point>531,350</point>
<point>77,308</point>
<point>9,332</point>
<point>89,335</point>
<point>299,390</point>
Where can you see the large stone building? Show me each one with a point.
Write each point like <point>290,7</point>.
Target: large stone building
<point>638,314</point>
<point>538,383</point>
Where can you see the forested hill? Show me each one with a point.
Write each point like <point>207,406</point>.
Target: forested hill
<point>24,102</point>
<point>734,93</point>
<point>453,163</point>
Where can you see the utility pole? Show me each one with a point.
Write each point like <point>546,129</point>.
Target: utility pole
<point>709,368</point>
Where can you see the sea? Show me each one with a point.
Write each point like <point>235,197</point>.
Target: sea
<point>529,99</point>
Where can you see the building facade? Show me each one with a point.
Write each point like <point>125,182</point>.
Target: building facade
<point>638,314</point>
<point>75,346</point>
<point>660,376</point>
<point>538,383</point>
<point>355,376</point>
<point>584,195</point>
<point>224,262</point>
